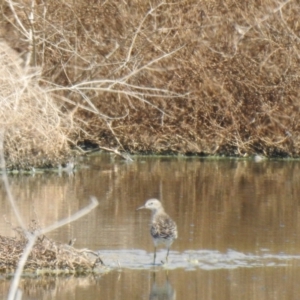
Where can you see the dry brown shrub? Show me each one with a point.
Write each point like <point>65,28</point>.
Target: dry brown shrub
<point>35,130</point>
<point>238,70</point>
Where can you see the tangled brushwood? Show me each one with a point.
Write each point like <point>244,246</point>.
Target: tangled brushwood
<point>47,256</point>
<point>202,77</point>
<point>33,128</point>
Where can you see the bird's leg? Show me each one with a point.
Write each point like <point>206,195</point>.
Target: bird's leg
<point>167,255</point>
<point>154,256</point>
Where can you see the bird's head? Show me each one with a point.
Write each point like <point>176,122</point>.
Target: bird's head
<point>152,204</point>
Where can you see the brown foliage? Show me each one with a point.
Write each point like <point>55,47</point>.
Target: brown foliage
<point>231,89</point>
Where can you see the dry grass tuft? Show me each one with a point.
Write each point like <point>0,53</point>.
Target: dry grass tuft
<point>46,256</point>
<point>35,130</point>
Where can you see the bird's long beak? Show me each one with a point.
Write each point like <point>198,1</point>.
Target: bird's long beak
<point>141,207</point>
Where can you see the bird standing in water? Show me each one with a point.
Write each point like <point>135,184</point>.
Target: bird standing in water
<point>163,229</point>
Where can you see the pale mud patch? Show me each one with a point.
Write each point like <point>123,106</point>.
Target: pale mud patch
<point>195,259</point>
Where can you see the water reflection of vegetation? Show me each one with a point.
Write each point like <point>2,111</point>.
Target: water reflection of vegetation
<point>215,197</point>
<point>217,205</point>
<point>226,191</point>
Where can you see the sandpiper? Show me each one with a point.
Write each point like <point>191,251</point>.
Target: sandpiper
<point>163,229</point>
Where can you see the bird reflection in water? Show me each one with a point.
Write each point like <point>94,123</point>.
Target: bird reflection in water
<point>162,292</point>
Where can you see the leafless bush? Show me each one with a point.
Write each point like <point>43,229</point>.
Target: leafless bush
<point>209,77</point>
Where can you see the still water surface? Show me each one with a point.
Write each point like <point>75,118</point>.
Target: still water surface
<point>238,225</point>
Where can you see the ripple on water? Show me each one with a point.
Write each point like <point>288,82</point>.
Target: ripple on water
<point>195,259</point>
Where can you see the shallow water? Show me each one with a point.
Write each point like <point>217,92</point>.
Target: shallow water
<point>238,224</point>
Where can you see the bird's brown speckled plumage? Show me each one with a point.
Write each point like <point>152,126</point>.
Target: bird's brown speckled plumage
<point>163,228</point>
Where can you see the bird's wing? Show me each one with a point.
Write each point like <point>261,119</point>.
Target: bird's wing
<point>164,228</point>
